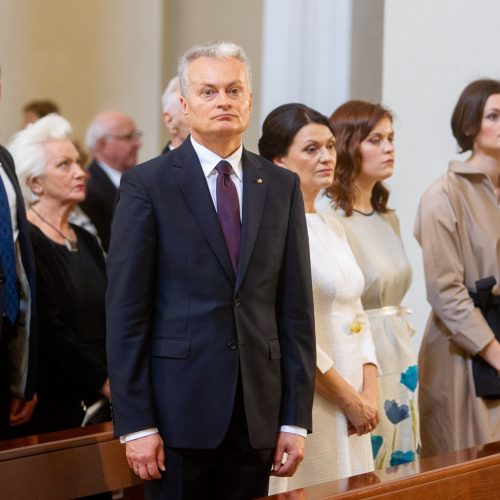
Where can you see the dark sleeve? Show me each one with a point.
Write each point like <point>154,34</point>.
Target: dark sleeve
<point>57,340</point>
<point>131,265</point>
<point>24,344</point>
<point>295,314</point>
<point>98,213</point>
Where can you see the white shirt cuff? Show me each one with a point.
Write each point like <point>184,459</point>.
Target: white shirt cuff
<point>139,434</point>
<point>293,429</point>
<point>323,361</point>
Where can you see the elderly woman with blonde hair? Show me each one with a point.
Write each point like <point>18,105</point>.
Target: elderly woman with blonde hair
<point>71,278</point>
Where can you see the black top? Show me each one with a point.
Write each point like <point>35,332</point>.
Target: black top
<point>72,325</point>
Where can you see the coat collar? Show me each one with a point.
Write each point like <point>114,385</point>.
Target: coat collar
<point>462,168</point>
<point>101,177</point>
<point>194,188</point>
<point>254,200</point>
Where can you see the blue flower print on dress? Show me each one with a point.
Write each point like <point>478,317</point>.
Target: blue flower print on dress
<point>396,413</point>
<point>398,457</point>
<point>376,444</point>
<point>409,378</point>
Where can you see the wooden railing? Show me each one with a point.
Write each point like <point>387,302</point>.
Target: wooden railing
<point>469,474</point>
<point>66,464</point>
<point>78,462</point>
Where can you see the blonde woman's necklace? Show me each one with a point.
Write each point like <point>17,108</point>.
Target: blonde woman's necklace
<point>70,243</point>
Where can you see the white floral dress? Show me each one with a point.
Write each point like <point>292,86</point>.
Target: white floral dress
<point>379,252</point>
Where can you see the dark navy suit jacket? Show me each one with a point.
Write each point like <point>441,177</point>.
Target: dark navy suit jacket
<point>181,326</point>
<point>99,204</point>
<point>25,381</point>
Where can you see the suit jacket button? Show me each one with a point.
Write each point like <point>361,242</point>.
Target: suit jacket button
<point>237,302</point>
<point>232,344</point>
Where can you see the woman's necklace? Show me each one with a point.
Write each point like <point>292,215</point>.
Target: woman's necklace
<point>71,244</point>
<point>367,214</point>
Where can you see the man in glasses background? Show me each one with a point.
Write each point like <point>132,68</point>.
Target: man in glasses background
<point>114,143</point>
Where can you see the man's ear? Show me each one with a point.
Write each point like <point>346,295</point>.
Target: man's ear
<point>167,118</point>
<point>184,106</point>
<point>100,143</point>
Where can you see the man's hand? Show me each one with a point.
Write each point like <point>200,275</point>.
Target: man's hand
<point>293,446</point>
<point>21,411</point>
<point>146,456</point>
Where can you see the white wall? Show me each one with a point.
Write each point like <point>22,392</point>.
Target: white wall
<point>306,52</point>
<point>432,49</point>
<point>87,56</point>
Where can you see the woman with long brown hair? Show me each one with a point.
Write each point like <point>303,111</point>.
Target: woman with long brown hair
<point>358,197</point>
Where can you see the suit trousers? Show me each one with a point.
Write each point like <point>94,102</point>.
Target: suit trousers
<point>232,471</point>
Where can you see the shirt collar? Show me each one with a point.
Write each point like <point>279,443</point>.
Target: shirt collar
<point>209,159</point>
<point>113,174</point>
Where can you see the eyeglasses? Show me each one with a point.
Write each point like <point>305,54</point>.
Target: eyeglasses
<point>130,137</point>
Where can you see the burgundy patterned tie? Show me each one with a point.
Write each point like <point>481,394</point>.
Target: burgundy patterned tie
<point>228,210</point>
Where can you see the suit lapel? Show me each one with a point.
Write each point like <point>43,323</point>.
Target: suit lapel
<point>103,182</point>
<point>10,171</point>
<point>22,223</point>
<point>194,188</point>
<point>254,199</point>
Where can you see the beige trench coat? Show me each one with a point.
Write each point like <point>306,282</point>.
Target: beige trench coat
<point>458,228</point>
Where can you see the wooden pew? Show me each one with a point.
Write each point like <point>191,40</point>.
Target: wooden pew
<point>469,474</point>
<point>85,461</point>
<point>66,464</point>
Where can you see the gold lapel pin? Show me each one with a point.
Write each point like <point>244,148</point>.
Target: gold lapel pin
<point>259,181</point>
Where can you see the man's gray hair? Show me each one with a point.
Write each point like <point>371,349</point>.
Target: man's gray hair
<point>215,50</point>
<point>170,99</point>
<point>28,149</point>
<point>96,130</point>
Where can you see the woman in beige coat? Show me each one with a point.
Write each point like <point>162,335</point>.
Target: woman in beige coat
<point>458,227</point>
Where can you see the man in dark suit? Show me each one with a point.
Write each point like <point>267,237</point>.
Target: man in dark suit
<point>17,311</point>
<point>211,350</point>
<point>174,119</point>
<point>114,142</point>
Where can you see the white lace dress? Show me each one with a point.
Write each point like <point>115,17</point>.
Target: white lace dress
<point>337,287</point>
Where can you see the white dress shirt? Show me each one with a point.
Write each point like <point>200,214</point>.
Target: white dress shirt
<point>209,161</point>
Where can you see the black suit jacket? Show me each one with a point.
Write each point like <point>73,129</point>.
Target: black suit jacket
<point>27,381</point>
<point>166,149</point>
<point>99,203</point>
<point>181,325</point>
